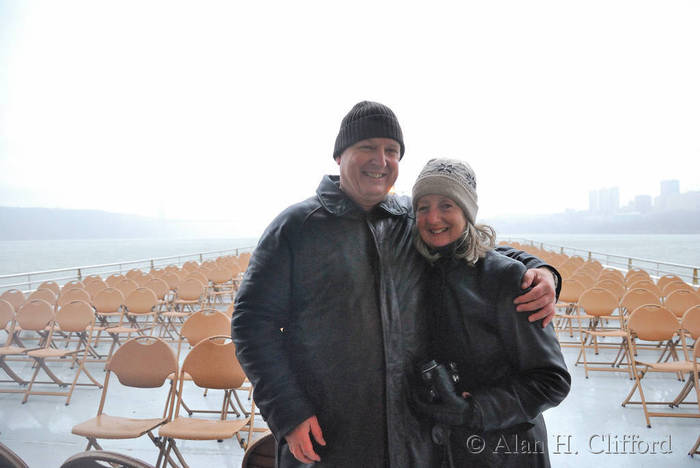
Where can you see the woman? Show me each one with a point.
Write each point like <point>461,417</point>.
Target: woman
<point>509,369</point>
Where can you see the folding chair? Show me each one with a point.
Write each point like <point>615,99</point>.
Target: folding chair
<point>653,323</point>
<point>261,453</point>
<point>140,303</point>
<point>33,316</point>
<point>598,304</point>
<point>7,320</point>
<point>143,362</point>
<point>221,284</point>
<point>51,285</point>
<point>75,317</point>
<point>665,279</point>
<point>680,300</point>
<point>14,297</point>
<point>199,326</point>
<point>212,364</point>
<point>103,458</point>
<point>9,459</point>
<point>571,290</point>
<point>645,284</point>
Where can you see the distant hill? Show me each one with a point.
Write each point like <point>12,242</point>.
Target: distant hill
<point>669,222</point>
<point>50,223</point>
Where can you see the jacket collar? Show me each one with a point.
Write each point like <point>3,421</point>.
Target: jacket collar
<point>336,202</point>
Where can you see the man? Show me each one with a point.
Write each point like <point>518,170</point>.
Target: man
<point>329,322</point>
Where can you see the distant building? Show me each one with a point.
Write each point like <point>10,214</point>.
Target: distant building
<point>642,203</point>
<point>671,198</point>
<point>669,187</point>
<point>604,201</point>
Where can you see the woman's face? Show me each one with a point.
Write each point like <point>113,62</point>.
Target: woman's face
<point>440,220</point>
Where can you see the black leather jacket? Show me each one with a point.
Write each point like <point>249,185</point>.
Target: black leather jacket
<point>513,369</point>
<point>330,320</point>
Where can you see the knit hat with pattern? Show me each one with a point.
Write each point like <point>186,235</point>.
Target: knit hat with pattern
<point>365,120</point>
<point>450,178</point>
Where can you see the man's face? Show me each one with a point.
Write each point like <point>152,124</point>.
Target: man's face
<point>368,169</point>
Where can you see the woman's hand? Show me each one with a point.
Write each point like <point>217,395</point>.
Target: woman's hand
<point>541,298</point>
<point>299,441</point>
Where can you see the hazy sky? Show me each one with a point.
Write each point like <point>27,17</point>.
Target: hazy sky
<point>228,111</point>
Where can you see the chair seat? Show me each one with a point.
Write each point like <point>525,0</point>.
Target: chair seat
<point>105,426</point>
<point>201,429</point>
<point>50,352</point>
<point>612,333</point>
<point>185,377</point>
<point>112,330</point>
<point>10,350</point>
<point>674,366</point>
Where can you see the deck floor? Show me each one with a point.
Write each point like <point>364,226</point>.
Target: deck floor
<point>579,429</point>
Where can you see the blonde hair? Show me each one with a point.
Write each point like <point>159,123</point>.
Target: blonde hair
<point>475,241</point>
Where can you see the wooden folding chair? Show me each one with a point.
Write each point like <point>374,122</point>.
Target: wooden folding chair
<point>9,459</point>
<point>103,458</point>
<point>52,285</point>
<point>212,364</point>
<point>75,317</point>
<point>143,362</point>
<point>262,453</point>
<point>139,304</point>
<point>654,323</point>
<point>571,290</point>
<point>598,306</point>
<point>222,284</point>
<point>201,325</point>
<point>35,316</point>
<point>14,297</point>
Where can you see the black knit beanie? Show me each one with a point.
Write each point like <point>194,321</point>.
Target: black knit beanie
<point>365,120</point>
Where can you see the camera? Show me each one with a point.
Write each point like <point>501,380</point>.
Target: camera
<point>432,370</point>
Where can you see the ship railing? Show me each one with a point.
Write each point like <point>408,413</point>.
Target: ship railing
<point>656,268</point>
<point>29,281</point>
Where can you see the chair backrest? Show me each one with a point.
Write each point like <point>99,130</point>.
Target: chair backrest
<point>52,285</point>
<point>93,287</point>
<point>43,294</point>
<point>571,290</point>
<point>598,301</point>
<point>212,363</point>
<point>113,280</point>
<point>645,284</point>
<point>101,459</point>
<point>72,284</point>
<point>220,275</point>
<point>141,301</point>
<point>585,279</point>
<point>653,322</point>
<point>261,453</point>
<point>35,315</point>
<point>14,297</point>
<point>612,273</point>
<point>665,279</point>
<point>172,279</point>
<point>134,274</point>
<point>75,316</point>
<point>675,286</point>
<point>203,324</point>
<point>91,279</point>
<point>638,297</point>
<point>158,286</point>
<point>198,275</point>
<point>691,321</point>
<point>190,289</point>
<point>9,459</point>
<point>190,265</point>
<point>7,313</point>
<point>229,310</point>
<point>636,273</point>
<point>143,362</point>
<point>126,286</point>
<point>73,294</point>
<point>109,300</point>
<point>681,300</point>
<point>613,286</point>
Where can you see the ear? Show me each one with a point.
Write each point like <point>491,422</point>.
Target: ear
<point>337,159</point>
